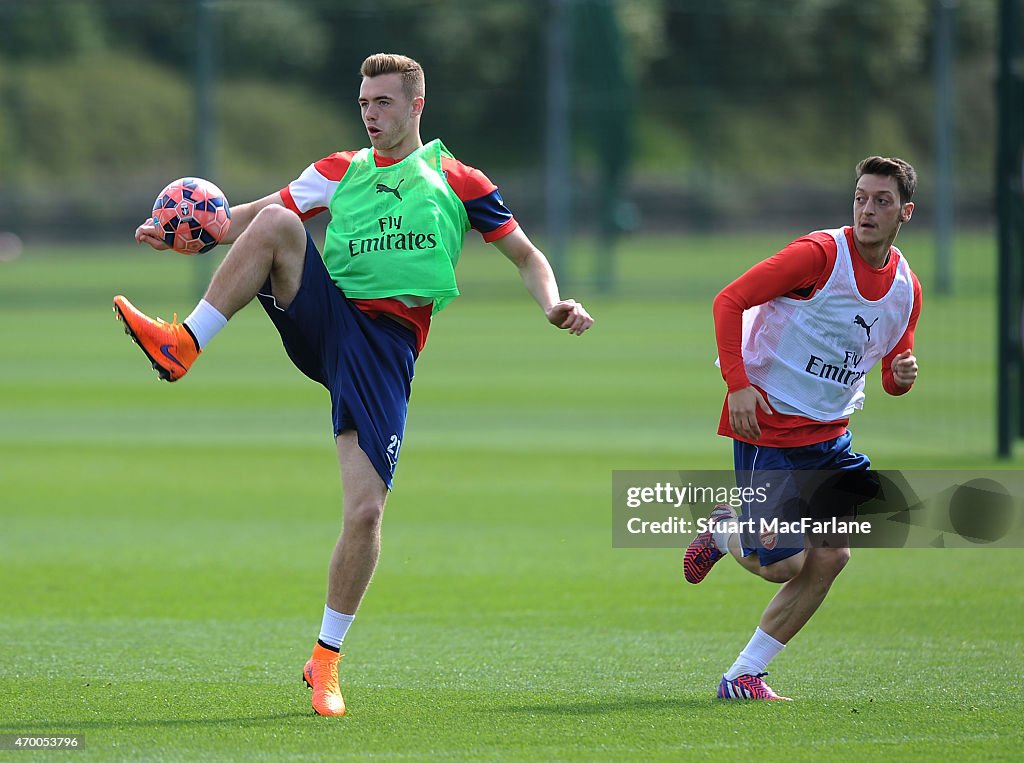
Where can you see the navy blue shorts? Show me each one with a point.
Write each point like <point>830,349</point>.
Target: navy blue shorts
<point>817,482</point>
<point>365,363</point>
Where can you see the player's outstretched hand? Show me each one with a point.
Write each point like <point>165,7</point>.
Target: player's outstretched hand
<point>151,233</point>
<point>570,315</point>
<point>904,368</point>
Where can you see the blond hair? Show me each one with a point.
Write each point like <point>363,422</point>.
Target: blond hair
<point>393,63</point>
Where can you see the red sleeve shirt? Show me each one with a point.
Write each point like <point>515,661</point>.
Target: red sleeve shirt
<point>798,272</point>
<point>310,194</point>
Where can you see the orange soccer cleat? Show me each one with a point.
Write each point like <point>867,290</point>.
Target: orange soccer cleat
<point>321,675</point>
<point>169,346</point>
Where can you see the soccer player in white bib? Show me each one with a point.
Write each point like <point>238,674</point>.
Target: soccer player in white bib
<point>797,334</point>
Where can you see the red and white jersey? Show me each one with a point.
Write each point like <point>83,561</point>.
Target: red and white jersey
<point>811,355</point>
<point>798,273</point>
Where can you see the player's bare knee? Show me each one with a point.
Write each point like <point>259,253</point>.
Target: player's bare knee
<point>364,516</point>
<point>840,558</point>
<point>280,226</point>
<point>829,562</point>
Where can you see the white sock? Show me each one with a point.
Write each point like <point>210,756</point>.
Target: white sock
<point>755,656</point>
<point>334,627</point>
<point>721,541</point>
<point>204,323</point>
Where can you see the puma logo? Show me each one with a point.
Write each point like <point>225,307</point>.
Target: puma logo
<point>866,326</point>
<point>381,188</point>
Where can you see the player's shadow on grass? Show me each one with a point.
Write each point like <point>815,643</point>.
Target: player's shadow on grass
<point>601,707</point>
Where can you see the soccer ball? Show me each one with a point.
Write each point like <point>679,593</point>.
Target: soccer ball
<point>194,215</point>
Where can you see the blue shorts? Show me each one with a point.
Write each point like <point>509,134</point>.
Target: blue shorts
<point>365,363</point>
<point>818,482</point>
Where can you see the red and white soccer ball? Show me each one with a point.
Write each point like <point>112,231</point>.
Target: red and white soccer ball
<point>194,215</point>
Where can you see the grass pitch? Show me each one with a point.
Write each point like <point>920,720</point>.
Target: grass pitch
<point>163,547</point>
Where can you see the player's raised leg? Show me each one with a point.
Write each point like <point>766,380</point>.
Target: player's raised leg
<point>273,244</point>
<point>708,546</point>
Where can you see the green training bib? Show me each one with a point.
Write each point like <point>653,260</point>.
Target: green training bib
<point>396,230</point>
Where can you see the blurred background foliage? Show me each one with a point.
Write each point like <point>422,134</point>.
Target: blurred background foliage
<point>739,112</point>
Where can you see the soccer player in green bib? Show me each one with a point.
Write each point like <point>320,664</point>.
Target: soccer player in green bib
<point>356,317</point>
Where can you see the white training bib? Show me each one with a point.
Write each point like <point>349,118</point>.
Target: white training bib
<point>812,355</point>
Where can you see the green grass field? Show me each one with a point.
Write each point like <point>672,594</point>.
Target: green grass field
<point>163,547</point>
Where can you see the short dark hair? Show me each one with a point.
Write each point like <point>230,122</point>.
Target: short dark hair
<point>887,166</point>
<point>393,63</point>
